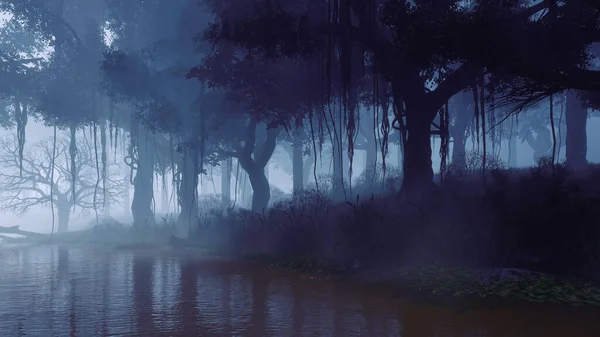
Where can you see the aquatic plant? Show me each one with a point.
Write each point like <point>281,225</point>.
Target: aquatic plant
<point>506,283</point>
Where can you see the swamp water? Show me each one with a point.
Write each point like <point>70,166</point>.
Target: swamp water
<point>77,291</point>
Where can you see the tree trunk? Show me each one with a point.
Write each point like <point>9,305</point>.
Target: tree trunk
<point>307,170</point>
<point>576,142</point>
<point>226,166</point>
<point>63,210</point>
<point>512,151</point>
<point>417,168</point>
<point>254,159</point>
<point>141,206</point>
<point>371,156</point>
<point>297,162</point>
<point>260,188</point>
<point>188,193</point>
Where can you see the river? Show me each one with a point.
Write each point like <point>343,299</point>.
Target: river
<point>84,291</point>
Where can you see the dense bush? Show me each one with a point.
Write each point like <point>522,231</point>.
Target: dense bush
<point>543,218</point>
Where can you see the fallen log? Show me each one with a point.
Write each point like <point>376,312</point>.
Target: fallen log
<point>16,230</point>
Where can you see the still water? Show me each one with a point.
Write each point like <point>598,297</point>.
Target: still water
<point>68,291</point>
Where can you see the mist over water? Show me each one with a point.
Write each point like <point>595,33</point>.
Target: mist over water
<point>69,291</point>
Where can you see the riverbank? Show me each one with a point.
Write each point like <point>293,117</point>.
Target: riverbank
<point>437,284</point>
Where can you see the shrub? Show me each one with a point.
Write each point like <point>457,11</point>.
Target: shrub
<point>540,219</point>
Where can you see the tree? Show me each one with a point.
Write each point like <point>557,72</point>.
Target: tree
<point>255,92</point>
<point>36,184</point>
<point>253,151</point>
<point>427,52</point>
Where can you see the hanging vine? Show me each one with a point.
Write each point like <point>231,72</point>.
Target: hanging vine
<point>104,158</point>
<point>476,103</point>
<point>560,117</point>
<point>385,131</point>
<point>553,131</point>
<point>21,121</point>
<point>483,127</point>
<point>314,146</point>
<point>510,138</point>
<point>445,139</point>
<point>237,178</point>
<point>52,179</point>
<point>94,136</point>
<point>73,156</point>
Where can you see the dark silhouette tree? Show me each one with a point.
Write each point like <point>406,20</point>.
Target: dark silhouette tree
<point>427,52</point>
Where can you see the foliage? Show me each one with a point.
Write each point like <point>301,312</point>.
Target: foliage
<point>507,283</point>
<point>543,231</point>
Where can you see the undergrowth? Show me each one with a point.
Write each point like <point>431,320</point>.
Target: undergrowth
<point>541,219</point>
<point>544,219</point>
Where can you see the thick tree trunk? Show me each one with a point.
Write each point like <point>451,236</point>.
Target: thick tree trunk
<point>226,168</point>
<point>63,211</point>
<point>254,159</point>
<point>417,168</point>
<point>261,190</point>
<point>576,142</point>
<point>141,206</point>
<point>297,163</point>
<point>188,197</point>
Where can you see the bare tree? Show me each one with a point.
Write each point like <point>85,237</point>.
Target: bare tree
<point>33,183</point>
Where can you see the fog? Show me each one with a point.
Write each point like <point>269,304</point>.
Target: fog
<point>296,153</point>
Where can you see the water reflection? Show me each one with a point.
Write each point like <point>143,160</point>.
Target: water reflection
<point>61,291</point>
<point>143,277</point>
<point>187,308</point>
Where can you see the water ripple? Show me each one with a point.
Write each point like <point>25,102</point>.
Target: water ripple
<point>67,291</point>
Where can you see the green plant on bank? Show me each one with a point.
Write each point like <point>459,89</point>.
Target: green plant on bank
<point>521,285</point>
